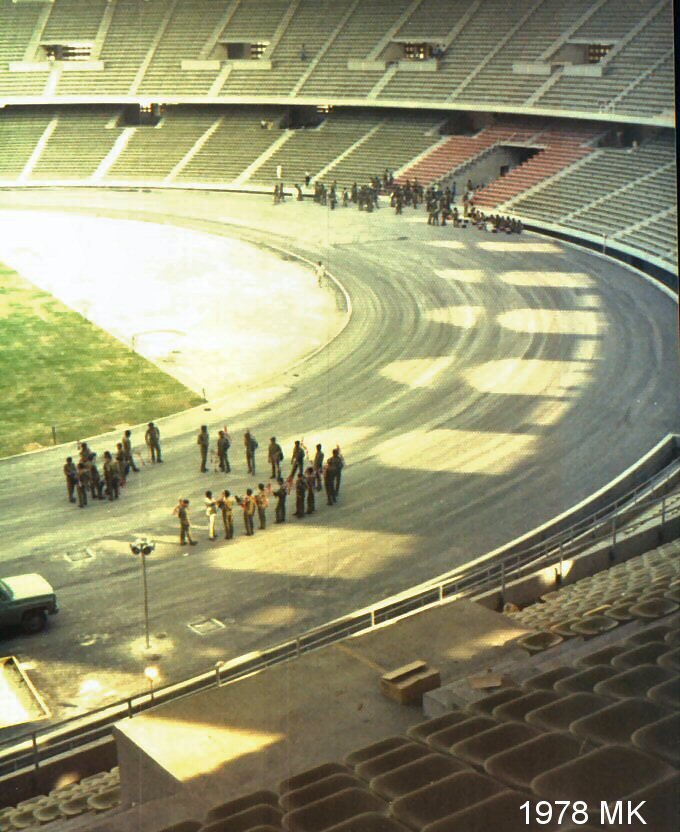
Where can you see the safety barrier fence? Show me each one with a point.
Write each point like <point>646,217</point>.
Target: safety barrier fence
<point>656,500</point>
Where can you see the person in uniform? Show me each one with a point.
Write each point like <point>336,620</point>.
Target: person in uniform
<point>298,458</point>
<point>250,444</point>
<point>248,505</point>
<point>328,482</point>
<point>153,442</point>
<point>181,511</point>
<point>320,272</point>
<point>203,442</point>
<point>129,455</point>
<point>110,476</point>
<point>226,505</point>
<point>71,474</point>
<point>281,493</point>
<point>300,489</point>
<point>261,501</point>
<point>82,484</point>
<point>310,477</point>
<point>211,513</point>
<point>275,456</point>
<point>337,463</point>
<point>96,483</point>
<point>317,464</point>
<point>122,463</point>
<point>223,445</point>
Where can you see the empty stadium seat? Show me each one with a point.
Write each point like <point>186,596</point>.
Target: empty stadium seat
<point>562,711</point>
<point>262,815</point>
<point>517,709</point>
<point>643,654</point>
<point>478,748</point>
<point>661,807</point>
<point>329,811</point>
<point>547,679</point>
<point>423,730</point>
<point>392,759</point>
<point>432,803</point>
<point>500,813</point>
<point>415,775</point>
<point>612,772</point>
<point>368,822</point>
<point>519,766</point>
<point>661,738</point>
<point>304,778</point>
<point>616,723</point>
<point>376,749</point>
<point>667,694</point>
<point>584,681</point>
<point>318,789</point>
<point>234,807</point>
<point>183,826</point>
<point>633,682</point>
<point>488,703</point>
<point>444,739</point>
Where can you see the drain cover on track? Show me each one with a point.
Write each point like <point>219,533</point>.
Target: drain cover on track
<point>79,555</point>
<point>206,626</point>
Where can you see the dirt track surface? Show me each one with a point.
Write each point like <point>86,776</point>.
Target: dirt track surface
<point>480,388</point>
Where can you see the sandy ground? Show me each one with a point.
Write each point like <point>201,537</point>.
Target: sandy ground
<point>214,312</point>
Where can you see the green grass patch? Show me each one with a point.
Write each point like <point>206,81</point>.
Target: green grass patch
<point>56,368</point>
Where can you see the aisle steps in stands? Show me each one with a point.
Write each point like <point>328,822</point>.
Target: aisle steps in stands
<point>459,150</point>
<point>561,150</point>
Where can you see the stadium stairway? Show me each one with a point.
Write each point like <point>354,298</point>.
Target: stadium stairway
<point>560,149</point>
<point>461,150</point>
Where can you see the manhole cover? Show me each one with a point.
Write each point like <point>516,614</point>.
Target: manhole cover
<point>80,555</point>
<point>208,625</point>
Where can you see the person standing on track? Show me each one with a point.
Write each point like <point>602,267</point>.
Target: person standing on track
<point>262,501</point>
<point>226,505</point>
<point>181,511</point>
<point>71,474</point>
<point>310,478</point>
<point>153,442</point>
<point>298,458</point>
<point>281,493</point>
<point>211,513</point>
<point>223,445</point>
<point>203,442</point>
<point>250,444</point>
<point>275,456</point>
<point>300,489</point>
<point>82,484</point>
<point>317,464</point>
<point>248,505</point>
<point>321,274</point>
<point>127,448</point>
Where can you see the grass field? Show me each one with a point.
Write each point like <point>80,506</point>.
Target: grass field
<point>57,369</point>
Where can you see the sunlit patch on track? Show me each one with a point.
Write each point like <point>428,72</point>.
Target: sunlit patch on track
<point>417,372</point>
<point>534,248</point>
<point>456,451</point>
<point>552,321</point>
<point>558,280</point>
<point>461,316</point>
<point>313,533</point>
<point>528,377</point>
<point>461,275</point>
<point>446,243</point>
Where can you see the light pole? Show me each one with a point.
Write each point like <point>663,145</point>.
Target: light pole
<point>143,546</point>
<point>151,674</point>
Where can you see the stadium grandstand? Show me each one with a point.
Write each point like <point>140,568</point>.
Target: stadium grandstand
<point>484,632</point>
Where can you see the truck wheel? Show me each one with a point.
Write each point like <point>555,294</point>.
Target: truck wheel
<point>34,621</point>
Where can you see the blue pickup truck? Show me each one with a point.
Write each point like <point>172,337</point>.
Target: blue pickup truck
<point>26,601</point>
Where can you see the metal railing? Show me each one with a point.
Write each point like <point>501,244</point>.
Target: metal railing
<point>486,574</point>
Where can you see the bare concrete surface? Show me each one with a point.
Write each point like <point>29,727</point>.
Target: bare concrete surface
<point>251,734</point>
<point>483,385</point>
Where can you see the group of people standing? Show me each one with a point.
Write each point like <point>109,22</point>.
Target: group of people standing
<point>309,475</point>
<point>84,476</point>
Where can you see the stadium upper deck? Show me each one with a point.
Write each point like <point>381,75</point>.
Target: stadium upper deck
<point>594,58</point>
